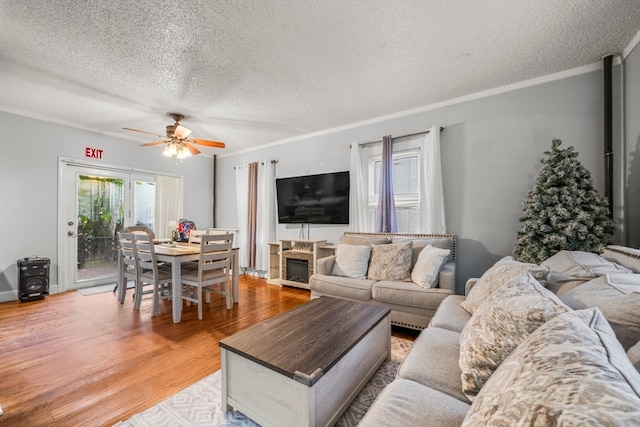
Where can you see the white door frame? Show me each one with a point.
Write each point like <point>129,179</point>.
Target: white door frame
<point>67,246</point>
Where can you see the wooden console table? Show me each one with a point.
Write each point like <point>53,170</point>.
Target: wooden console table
<point>304,366</point>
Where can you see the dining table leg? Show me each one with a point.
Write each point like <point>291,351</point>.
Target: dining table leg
<point>176,289</point>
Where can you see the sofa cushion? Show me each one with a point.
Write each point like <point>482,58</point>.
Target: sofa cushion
<point>407,403</point>
<point>570,371</point>
<point>499,325</point>
<point>351,261</point>
<point>390,262</point>
<point>343,287</point>
<point>618,298</point>
<point>408,294</point>
<point>500,273</point>
<point>428,265</point>
<point>419,244</point>
<point>433,361</point>
<point>450,315</point>
<point>569,269</point>
<point>364,240</point>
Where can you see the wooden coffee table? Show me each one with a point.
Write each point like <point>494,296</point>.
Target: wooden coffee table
<point>305,366</point>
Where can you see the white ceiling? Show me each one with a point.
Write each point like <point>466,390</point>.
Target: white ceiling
<point>251,72</point>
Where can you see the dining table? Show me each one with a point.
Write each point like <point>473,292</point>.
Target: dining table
<point>176,254</point>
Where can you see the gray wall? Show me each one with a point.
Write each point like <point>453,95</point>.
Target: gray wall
<point>28,186</point>
<point>491,151</point>
<point>631,184</point>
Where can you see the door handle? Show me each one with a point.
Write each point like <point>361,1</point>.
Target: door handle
<point>71,233</point>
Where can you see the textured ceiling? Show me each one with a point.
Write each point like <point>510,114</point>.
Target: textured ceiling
<point>257,71</point>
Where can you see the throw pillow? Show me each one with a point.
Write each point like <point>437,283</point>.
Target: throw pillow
<point>499,325</point>
<point>501,272</point>
<point>428,265</point>
<point>390,262</point>
<point>569,269</point>
<point>351,261</point>
<point>420,244</point>
<point>570,371</point>
<point>618,298</point>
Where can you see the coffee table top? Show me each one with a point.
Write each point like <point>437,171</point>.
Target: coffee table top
<point>305,342</point>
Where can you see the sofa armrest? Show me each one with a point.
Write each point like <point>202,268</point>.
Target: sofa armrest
<point>325,265</point>
<point>447,277</point>
<point>469,285</point>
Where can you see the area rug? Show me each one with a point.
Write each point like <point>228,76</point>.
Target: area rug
<point>199,404</point>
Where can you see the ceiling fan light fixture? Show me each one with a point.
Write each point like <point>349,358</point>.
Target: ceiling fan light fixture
<point>183,152</point>
<point>170,150</point>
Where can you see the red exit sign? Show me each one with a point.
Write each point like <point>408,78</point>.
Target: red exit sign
<point>93,153</point>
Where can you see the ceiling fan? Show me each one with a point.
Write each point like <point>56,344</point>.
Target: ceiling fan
<point>178,143</point>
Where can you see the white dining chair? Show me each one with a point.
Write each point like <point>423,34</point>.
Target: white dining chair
<point>128,262</point>
<point>195,236</point>
<point>212,275</point>
<point>150,273</point>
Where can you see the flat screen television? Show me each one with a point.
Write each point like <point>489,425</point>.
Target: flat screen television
<point>314,199</point>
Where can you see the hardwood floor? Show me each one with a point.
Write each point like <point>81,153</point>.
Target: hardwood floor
<point>73,360</point>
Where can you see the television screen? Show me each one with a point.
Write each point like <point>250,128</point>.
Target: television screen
<point>314,199</point>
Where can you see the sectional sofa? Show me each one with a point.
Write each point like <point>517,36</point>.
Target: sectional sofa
<point>409,273</point>
<point>530,345</point>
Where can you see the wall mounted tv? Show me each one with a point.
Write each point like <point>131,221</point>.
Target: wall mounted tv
<point>314,199</point>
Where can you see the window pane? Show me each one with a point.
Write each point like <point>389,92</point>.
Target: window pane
<point>407,220</point>
<point>405,175</point>
<point>145,204</point>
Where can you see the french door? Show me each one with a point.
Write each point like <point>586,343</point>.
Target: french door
<point>95,204</point>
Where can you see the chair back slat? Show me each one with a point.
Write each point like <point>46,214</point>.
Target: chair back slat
<point>146,253</point>
<point>128,254</point>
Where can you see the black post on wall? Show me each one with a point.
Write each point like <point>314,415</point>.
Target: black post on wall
<point>608,133</point>
<point>215,170</point>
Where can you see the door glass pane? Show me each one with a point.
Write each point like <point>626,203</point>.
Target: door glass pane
<point>144,204</point>
<point>100,202</point>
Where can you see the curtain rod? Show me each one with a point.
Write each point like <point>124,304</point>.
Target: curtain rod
<point>401,136</point>
<point>262,163</point>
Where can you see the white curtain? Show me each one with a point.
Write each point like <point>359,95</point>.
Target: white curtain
<point>432,210</point>
<point>266,218</point>
<point>242,203</point>
<point>358,203</point>
<point>169,195</point>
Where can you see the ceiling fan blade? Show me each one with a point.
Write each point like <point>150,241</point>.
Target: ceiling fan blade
<point>207,143</point>
<point>194,151</point>
<point>181,132</point>
<point>150,144</point>
<point>144,131</point>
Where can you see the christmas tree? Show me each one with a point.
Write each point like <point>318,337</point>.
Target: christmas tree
<point>563,211</point>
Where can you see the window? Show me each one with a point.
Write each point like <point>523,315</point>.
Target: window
<point>406,188</point>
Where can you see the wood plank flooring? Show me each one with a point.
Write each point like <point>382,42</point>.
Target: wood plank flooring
<point>73,360</point>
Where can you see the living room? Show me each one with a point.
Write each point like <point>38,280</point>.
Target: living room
<point>491,147</point>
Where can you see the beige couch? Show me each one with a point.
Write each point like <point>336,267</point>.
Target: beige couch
<point>412,306</point>
<point>526,356</point>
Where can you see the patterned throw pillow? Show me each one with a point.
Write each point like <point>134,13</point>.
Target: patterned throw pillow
<point>351,261</point>
<point>428,265</point>
<point>499,325</point>
<point>390,262</point>
<point>500,273</point>
<point>618,298</point>
<point>570,372</point>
